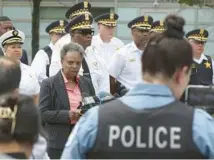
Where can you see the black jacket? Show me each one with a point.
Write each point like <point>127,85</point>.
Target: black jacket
<point>54,107</point>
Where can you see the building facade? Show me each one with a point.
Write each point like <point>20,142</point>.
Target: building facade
<point>20,12</point>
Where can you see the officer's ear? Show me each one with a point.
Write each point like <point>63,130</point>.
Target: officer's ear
<point>4,49</point>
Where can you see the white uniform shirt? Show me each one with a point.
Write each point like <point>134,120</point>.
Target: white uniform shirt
<point>98,71</point>
<point>56,65</point>
<point>106,50</point>
<point>28,84</point>
<point>40,62</point>
<point>126,65</point>
<point>199,61</point>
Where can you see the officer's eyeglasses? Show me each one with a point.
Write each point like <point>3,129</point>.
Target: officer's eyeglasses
<point>84,32</point>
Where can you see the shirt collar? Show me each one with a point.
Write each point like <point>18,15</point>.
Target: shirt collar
<point>150,89</point>
<point>203,57</point>
<point>100,41</point>
<point>134,48</point>
<point>66,80</point>
<point>51,45</point>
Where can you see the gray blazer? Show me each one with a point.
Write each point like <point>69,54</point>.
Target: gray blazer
<point>54,107</point>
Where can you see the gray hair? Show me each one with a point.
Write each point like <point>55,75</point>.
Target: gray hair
<point>71,47</point>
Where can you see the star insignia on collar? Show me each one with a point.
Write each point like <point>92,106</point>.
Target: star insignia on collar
<point>207,65</point>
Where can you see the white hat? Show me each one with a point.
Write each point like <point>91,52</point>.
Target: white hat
<point>12,36</point>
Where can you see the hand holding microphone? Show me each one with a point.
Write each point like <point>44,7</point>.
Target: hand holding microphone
<point>88,102</point>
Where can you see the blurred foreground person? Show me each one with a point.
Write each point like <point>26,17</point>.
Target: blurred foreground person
<point>10,76</point>
<point>19,126</point>
<point>149,122</point>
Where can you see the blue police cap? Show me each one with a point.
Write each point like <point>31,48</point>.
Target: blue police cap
<point>108,19</point>
<point>83,21</point>
<point>142,22</point>
<point>57,27</point>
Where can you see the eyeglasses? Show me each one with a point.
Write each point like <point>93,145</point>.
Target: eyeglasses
<point>84,32</point>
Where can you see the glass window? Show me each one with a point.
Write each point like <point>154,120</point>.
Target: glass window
<point>206,15</point>
<point>126,41</point>
<point>209,48</point>
<point>94,25</point>
<point>189,14</point>
<point>27,47</point>
<point>17,12</point>
<point>23,26</point>
<point>127,14</point>
<point>46,13</point>
<point>43,26</point>
<point>156,15</point>
<point>188,28</point>
<point>123,30</point>
<point>44,41</point>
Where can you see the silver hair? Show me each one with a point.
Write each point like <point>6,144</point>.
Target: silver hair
<point>71,47</point>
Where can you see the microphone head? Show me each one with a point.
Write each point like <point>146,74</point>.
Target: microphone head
<point>103,94</point>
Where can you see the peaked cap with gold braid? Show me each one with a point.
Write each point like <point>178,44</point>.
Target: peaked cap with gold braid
<point>78,9</point>
<point>142,22</point>
<point>57,27</point>
<point>158,26</point>
<point>83,21</point>
<point>198,35</point>
<point>108,19</point>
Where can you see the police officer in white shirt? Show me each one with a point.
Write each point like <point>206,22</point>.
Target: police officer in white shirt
<point>105,42</point>
<point>11,44</point>
<point>125,66</point>
<point>42,60</point>
<point>75,10</point>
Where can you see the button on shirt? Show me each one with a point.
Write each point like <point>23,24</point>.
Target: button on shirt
<point>104,49</point>
<point>28,84</point>
<point>200,60</point>
<point>142,96</point>
<point>126,65</point>
<point>74,95</point>
<point>40,62</point>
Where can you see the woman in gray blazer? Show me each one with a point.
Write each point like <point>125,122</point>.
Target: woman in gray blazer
<point>60,97</point>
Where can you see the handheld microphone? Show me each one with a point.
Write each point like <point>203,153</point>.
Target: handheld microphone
<point>105,97</point>
<point>88,102</point>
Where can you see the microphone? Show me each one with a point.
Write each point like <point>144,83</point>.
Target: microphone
<point>105,97</point>
<point>88,102</point>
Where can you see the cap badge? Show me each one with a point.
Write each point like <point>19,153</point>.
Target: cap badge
<point>85,4</point>
<point>161,23</point>
<point>15,33</point>
<point>61,23</point>
<point>201,31</point>
<point>111,16</point>
<point>86,17</point>
<point>146,18</point>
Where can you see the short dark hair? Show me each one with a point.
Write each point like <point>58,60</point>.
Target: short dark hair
<point>26,124</point>
<point>10,75</point>
<point>167,51</point>
<point>70,47</point>
<point>4,18</point>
